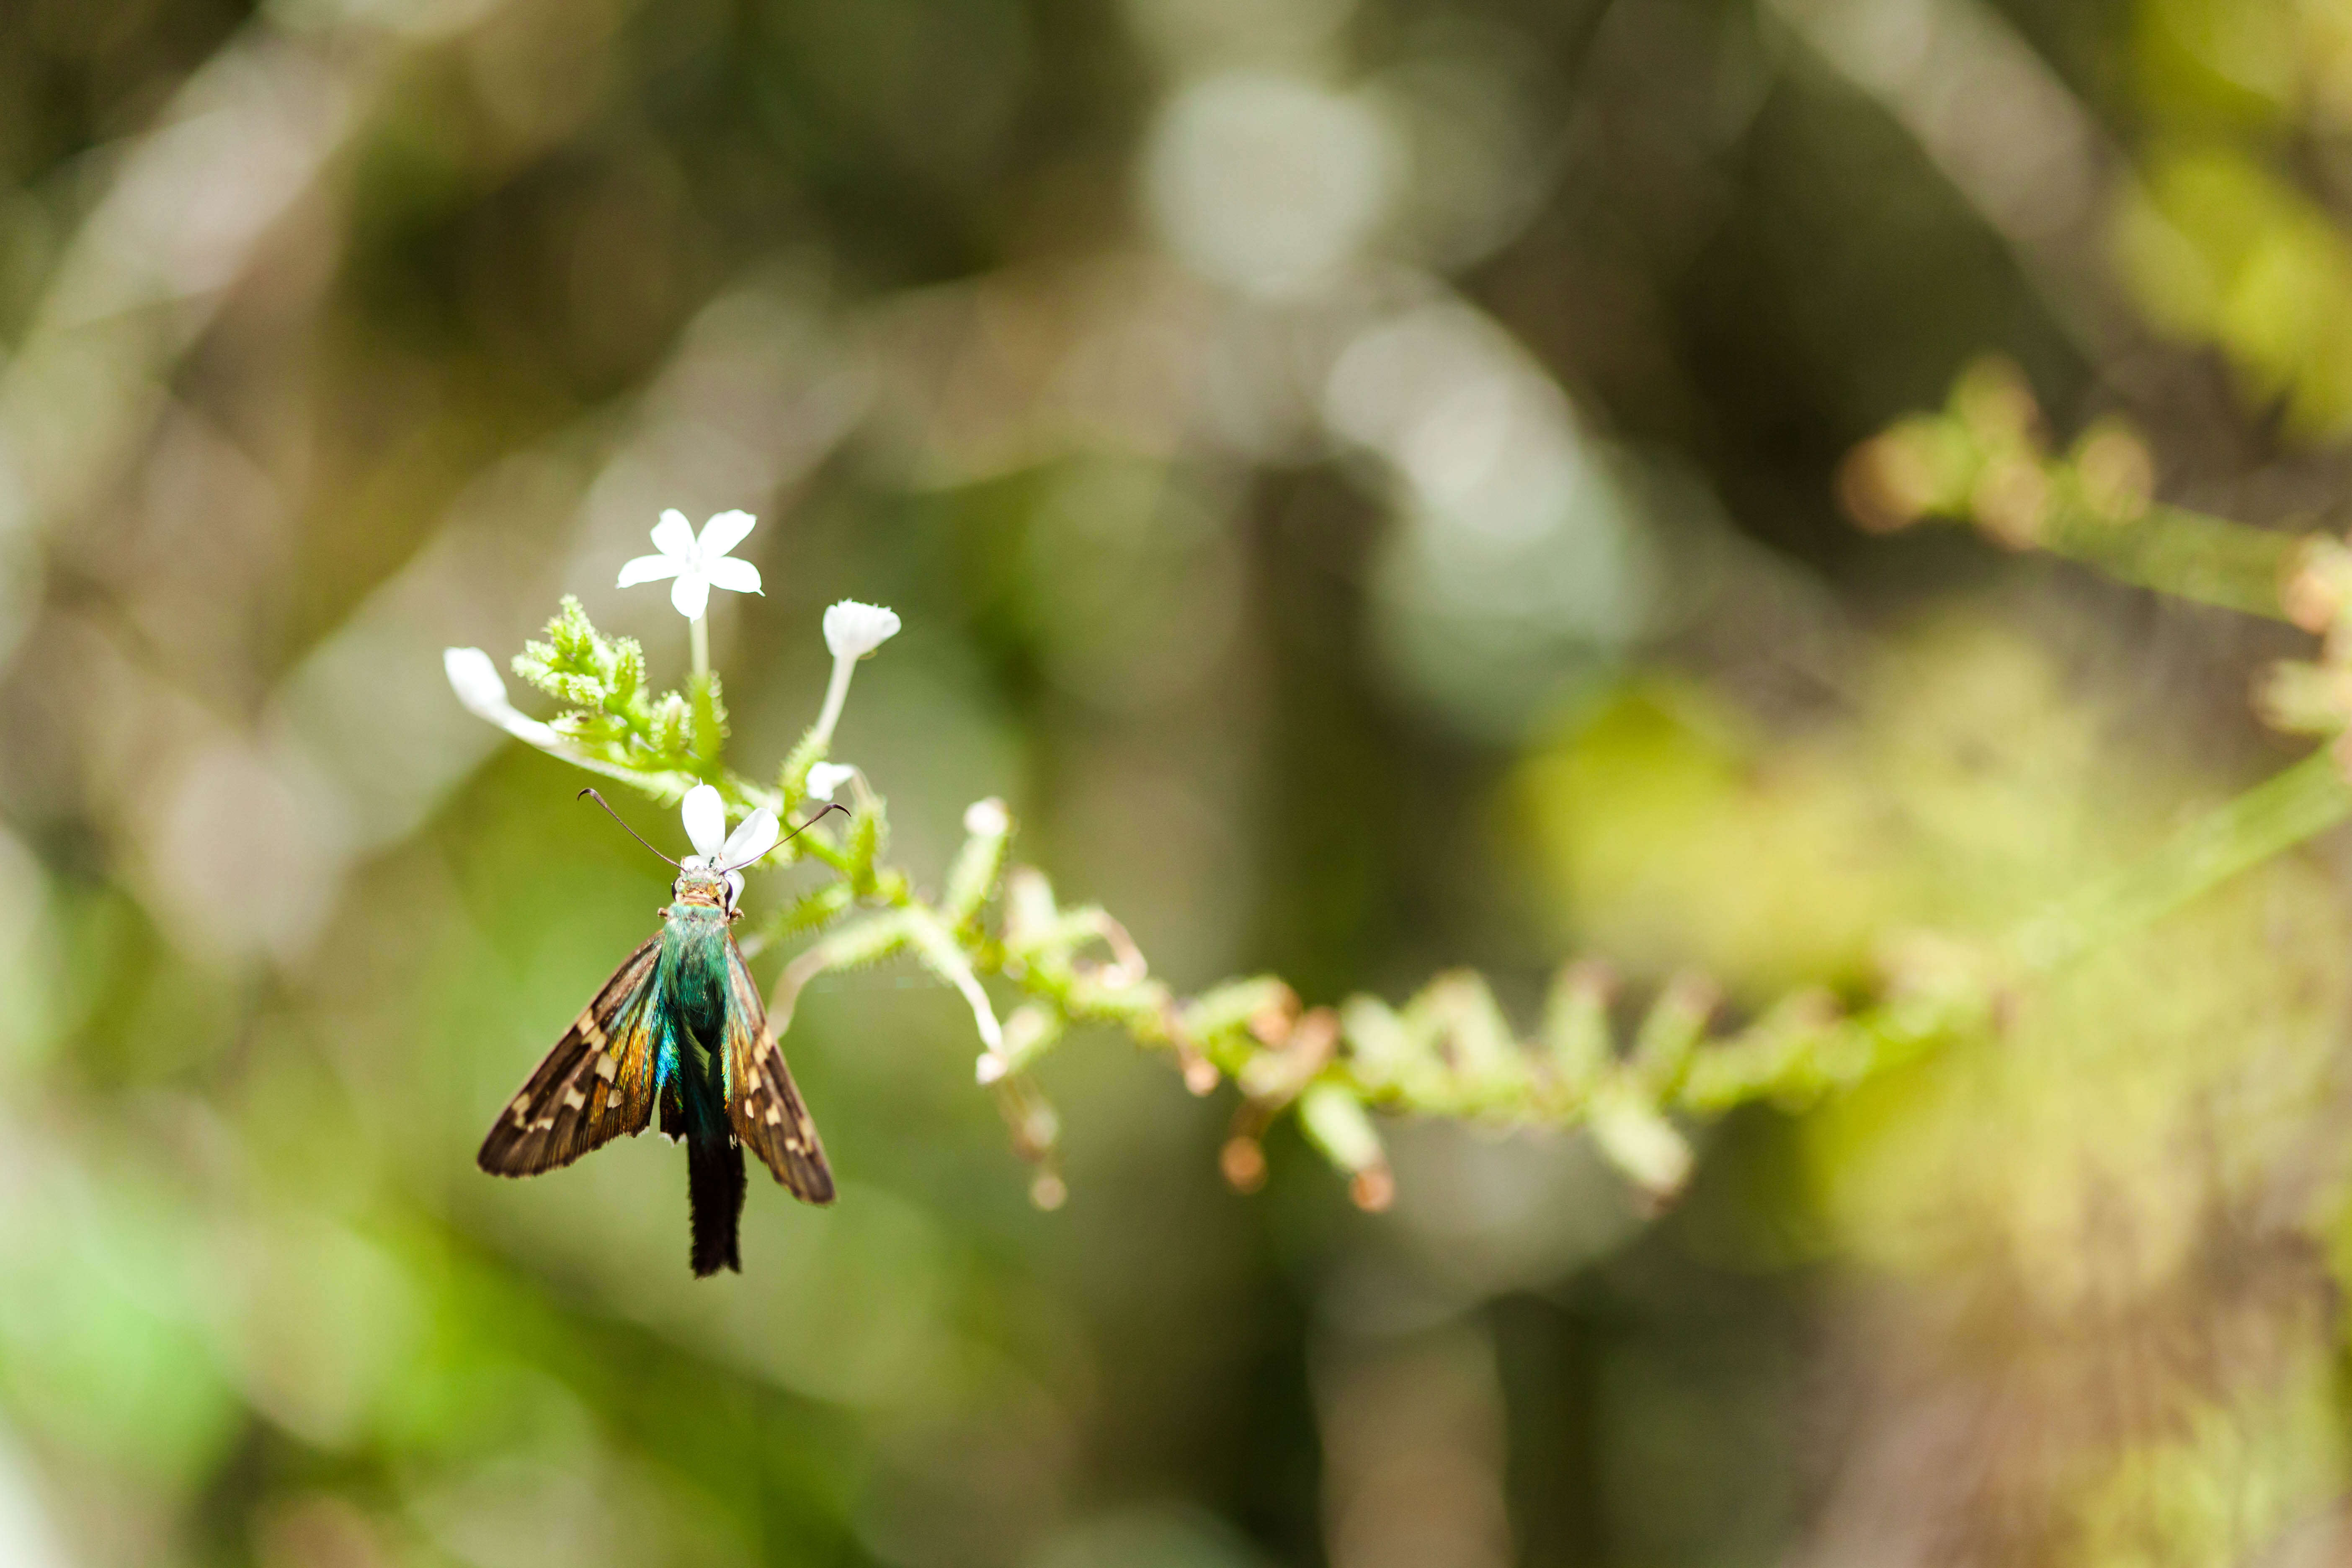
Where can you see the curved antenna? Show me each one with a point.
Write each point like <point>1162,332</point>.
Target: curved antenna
<point>787,839</point>
<point>591,795</point>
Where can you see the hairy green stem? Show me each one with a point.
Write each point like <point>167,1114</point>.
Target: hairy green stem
<point>2274,817</point>
<point>2185,554</point>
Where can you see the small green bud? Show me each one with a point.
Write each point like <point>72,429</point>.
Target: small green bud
<point>573,636</point>
<point>627,672</point>
<point>1336,1123</point>
<point>1576,1025</point>
<point>1376,1038</point>
<point>1461,1014</point>
<point>1641,1144</point>
<point>978,865</point>
<point>1029,913</point>
<point>1672,1031</point>
<point>670,727</point>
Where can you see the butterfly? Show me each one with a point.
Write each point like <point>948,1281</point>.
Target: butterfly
<point>680,1026</point>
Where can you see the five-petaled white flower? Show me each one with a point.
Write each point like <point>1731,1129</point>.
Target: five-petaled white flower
<point>824,778</point>
<point>852,630</point>
<point>706,824</point>
<point>699,564</point>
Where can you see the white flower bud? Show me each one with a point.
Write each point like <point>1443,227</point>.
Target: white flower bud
<point>826,777</point>
<point>852,630</point>
<point>476,681</point>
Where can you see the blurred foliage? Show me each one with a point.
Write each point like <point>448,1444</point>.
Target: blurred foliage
<point>1369,485</point>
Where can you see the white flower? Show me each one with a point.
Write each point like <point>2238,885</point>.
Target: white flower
<point>706,824</point>
<point>476,681</point>
<point>852,630</point>
<point>987,818</point>
<point>699,564</point>
<point>825,777</point>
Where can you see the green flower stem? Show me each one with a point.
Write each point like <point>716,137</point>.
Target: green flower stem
<point>2185,554</point>
<point>1984,458</point>
<point>698,634</point>
<point>669,787</point>
<point>1450,1053</point>
<point>2274,817</point>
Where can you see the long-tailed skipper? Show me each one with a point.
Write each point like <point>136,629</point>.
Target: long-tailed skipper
<point>679,1025</point>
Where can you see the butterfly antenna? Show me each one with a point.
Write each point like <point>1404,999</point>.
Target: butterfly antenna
<point>787,839</point>
<point>600,800</point>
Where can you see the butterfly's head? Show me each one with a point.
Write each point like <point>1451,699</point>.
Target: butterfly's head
<point>700,883</point>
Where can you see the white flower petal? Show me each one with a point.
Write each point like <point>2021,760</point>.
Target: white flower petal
<point>690,595</point>
<point>734,887</point>
<point>649,569</point>
<point>826,777</point>
<point>751,840</point>
<point>475,679</point>
<point>735,577</point>
<point>705,819</point>
<point>852,630</point>
<point>674,536</point>
<point>987,818</point>
<point>724,532</point>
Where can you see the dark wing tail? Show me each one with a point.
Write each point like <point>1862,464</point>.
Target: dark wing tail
<point>714,1195</point>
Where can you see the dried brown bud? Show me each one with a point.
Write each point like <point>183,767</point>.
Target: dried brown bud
<point>2318,586</point>
<point>1271,1023</point>
<point>1893,479</point>
<point>1201,1075</point>
<point>1242,1160</point>
<point>1374,1188</point>
<point>1995,401</point>
<point>2011,500</point>
<point>1316,1038</point>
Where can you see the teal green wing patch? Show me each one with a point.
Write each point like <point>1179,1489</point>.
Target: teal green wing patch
<point>596,1084</point>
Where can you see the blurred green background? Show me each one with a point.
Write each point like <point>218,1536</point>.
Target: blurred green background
<point>1358,475</point>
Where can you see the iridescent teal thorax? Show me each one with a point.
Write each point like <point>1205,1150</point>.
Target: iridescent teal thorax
<point>691,981</point>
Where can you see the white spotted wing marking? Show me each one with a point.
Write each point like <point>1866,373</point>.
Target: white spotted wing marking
<point>761,1100</point>
<point>596,1084</point>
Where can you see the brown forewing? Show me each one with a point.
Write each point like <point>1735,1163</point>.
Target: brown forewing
<point>596,1084</point>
